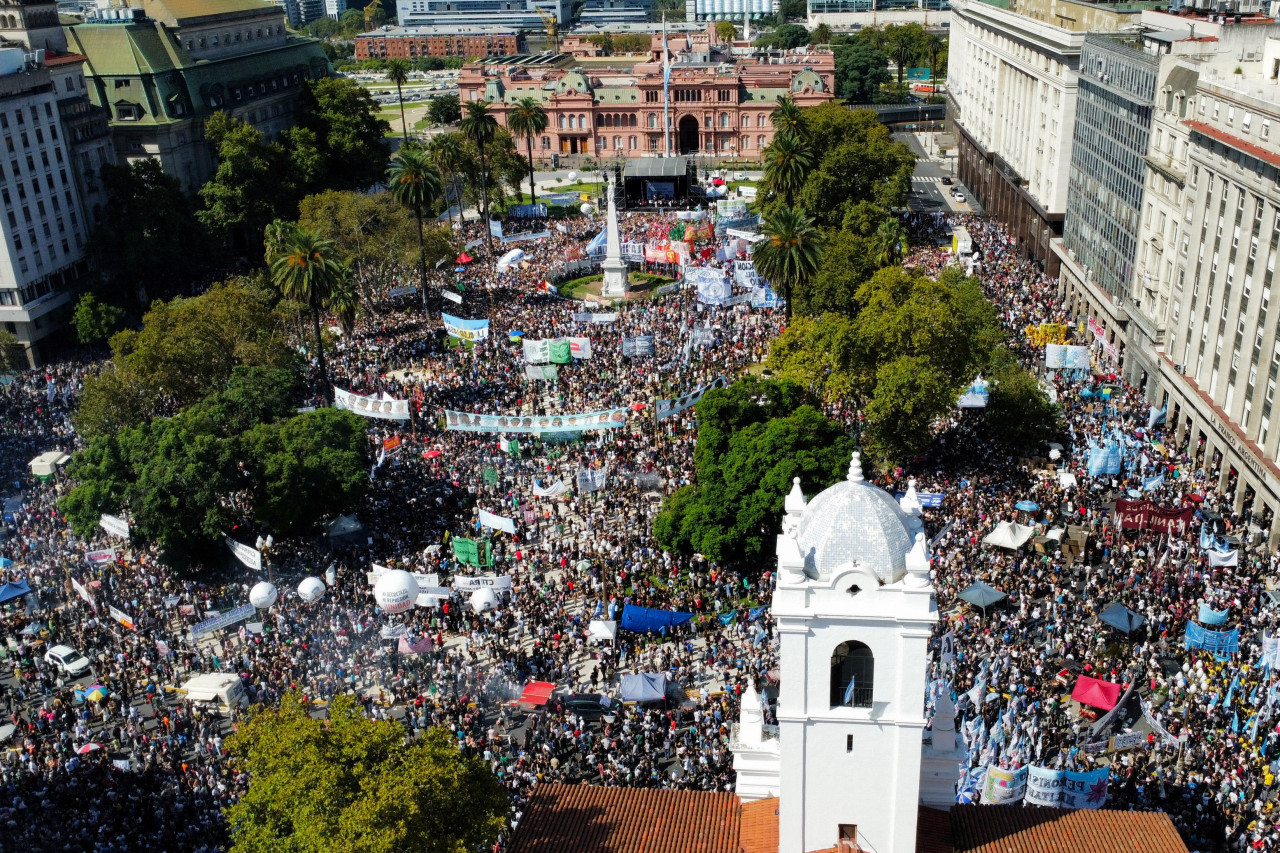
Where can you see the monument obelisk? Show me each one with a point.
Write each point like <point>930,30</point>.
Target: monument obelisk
<point>615,271</point>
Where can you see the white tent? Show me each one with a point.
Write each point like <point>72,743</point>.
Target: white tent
<point>343,525</point>
<point>601,629</point>
<point>1009,534</point>
<point>46,464</point>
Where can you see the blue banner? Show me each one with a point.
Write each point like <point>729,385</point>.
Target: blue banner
<point>1220,643</point>
<point>527,211</point>
<point>222,620</point>
<point>467,330</point>
<point>645,619</point>
<point>1209,616</point>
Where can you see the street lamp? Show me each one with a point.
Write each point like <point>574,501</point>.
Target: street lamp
<point>265,545</point>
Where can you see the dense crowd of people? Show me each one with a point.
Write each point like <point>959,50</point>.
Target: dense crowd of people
<point>141,768</point>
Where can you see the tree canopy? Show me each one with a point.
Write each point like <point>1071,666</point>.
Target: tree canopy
<point>242,455</point>
<point>754,437</point>
<point>354,785</point>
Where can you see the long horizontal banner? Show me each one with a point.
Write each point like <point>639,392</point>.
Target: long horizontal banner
<point>534,424</point>
<point>528,235</point>
<point>667,408</point>
<point>595,316</point>
<point>502,583</point>
<point>466,330</point>
<point>1066,789</point>
<point>371,407</point>
<point>497,522</point>
<point>1145,515</point>
<point>222,620</point>
<point>114,525</point>
<point>1063,357</point>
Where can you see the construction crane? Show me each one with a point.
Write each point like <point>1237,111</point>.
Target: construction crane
<point>549,21</point>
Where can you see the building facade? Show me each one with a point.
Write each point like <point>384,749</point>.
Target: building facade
<point>415,42</point>
<point>162,69</point>
<point>729,10</point>
<point>508,14</point>
<point>719,105</point>
<point>606,12</point>
<point>1013,71</point>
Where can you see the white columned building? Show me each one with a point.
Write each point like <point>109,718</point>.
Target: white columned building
<point>854,610</point>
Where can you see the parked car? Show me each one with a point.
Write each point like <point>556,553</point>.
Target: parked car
<point>946,179</point>
<point>590,706</point>
<point>958,195</point>
<point>67,660</point>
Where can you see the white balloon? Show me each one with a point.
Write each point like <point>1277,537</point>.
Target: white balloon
<point>573,176</point>
<point>395,591</point>
<point>484,599</point>
<point>587,208</point>
<point>263,595</point>
<point>311,590</point>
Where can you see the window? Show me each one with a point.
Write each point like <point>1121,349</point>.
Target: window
<point>852,675</point>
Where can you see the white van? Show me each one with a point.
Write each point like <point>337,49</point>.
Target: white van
<point>223,689</point>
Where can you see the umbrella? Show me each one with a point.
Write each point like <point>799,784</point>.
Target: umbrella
<point>1121,618</point>
<point>1027,506</point>
<point>96,693</point>
<point>719,182</point>
<point>459,269</point>
<point>431,454</point>
<point>515,333</point>
<point>5,562</point>
<point>88,747</point>
<point>464,258</point>
<point>636,407</point>
<point>981,595</point>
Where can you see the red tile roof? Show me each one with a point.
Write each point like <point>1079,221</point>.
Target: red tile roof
<point>933,831</point>
<point>1010,829</point>
<point>569,818</point>
<point>759,832</point>
<point>1256,151</point>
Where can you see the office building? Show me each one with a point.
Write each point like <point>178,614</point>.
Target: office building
<point>729,10</point>
<point>507,14</point>
<point>1013,69</point>
<point>719,106</point>
<point>163,68</point>
<point>602,12</point>
<point>417,42</point>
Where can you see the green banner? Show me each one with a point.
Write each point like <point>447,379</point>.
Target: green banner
<point>560,353</point>
<point>491,475</point>
<point>466,552</point>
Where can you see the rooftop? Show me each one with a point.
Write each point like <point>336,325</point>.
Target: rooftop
<point>427,32</point>
<point>987,829</point>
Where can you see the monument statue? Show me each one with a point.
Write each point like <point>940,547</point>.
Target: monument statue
<point>615,271</point>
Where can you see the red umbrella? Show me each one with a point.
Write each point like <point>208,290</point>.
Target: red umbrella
<point>431,454</point>
<point>464,258</point>
<point>636,407</point>
<point>718,182</point>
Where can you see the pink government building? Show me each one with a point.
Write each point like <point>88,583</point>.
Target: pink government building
<point>721,97</point>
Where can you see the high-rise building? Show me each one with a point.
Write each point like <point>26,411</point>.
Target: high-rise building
<point>597,12</point>
<point>1013,67</point>
<point>729,10</point>
<point>509,14</point>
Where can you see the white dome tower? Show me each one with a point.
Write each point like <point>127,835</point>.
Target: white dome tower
<point>854,609</point>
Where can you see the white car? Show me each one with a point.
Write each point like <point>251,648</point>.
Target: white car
<point>67,660</point>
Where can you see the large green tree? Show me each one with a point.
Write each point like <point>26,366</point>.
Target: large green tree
<point>95,320</point>
<point>448,153</point>
<point>353,785</point>
<point>344,118</point>
<point>245,192</point>
<point>415,183</point>
<point>753,439</point>
<point>147,242</point>
<point>307,269</point>
<point>445,109</point>
<point>790,253</point>
<point>848,259</point>
<point>861,69</point>
<point>787,162</point>
<point>855,161</point>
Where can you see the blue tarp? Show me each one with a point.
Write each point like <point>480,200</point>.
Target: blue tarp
<point>1209,616</point>
<point>645,619</point>
<point>643,687</point>
<point>1220,643</point>
<point>10,591</point>
<point>1121,618</point>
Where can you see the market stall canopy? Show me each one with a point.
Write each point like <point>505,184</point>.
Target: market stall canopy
<point>602,629</point>
<point>1096,693</point>
<point>343,525</point>
<point>46,464</point>
<point>1121,618</point>
<point>536,694</point>
<point>981,595</point>
<point>643,687</point>
<point>1009,534</point>
<point>13,590</point>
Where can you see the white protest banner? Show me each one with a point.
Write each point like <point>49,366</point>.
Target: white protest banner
<point>667,408</point>
<point>592,479</point>
<point>1067,789</point>
<point>83,592</point>
<point>104,555</point>
<point>121,617</point>
<point>1149,716</point>
<point>1218,558</point>
<point>580,347</point>
<point>536,351</point>
<point>451,296</point>
<point>218,621</point>
<point>251,557</point>
<point>114,524</point>
<point>595,316</point>
<point>556,489</point>
<point>171,601</point>
<point>1061,356</point>
<point>713,285</point>
<point>1128,740</point>
<point>533,424</point>
<point>497,522</point>
<point>375,572</point>
<point>371,407</point>
<point>394,632</point>
<point>162,647</point>
<point>547,372</point>
<point>1004,786</point>
<point>639,346</point>
<point>502,583</point>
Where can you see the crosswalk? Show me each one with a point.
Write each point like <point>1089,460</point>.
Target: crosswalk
<point>922,179</point>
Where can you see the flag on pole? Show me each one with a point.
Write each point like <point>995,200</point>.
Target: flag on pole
<point>848,691</point>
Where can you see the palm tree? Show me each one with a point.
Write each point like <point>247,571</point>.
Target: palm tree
<point>415,183</point>
<point>448,153</point>
<point>306,269</point>
<point>891,240</point>
<point>480,127</point>
<point>528,119</point>
<point>787,162</point>
<point>787,117</point>
<point>791,252</point>
<point>398,73</point>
